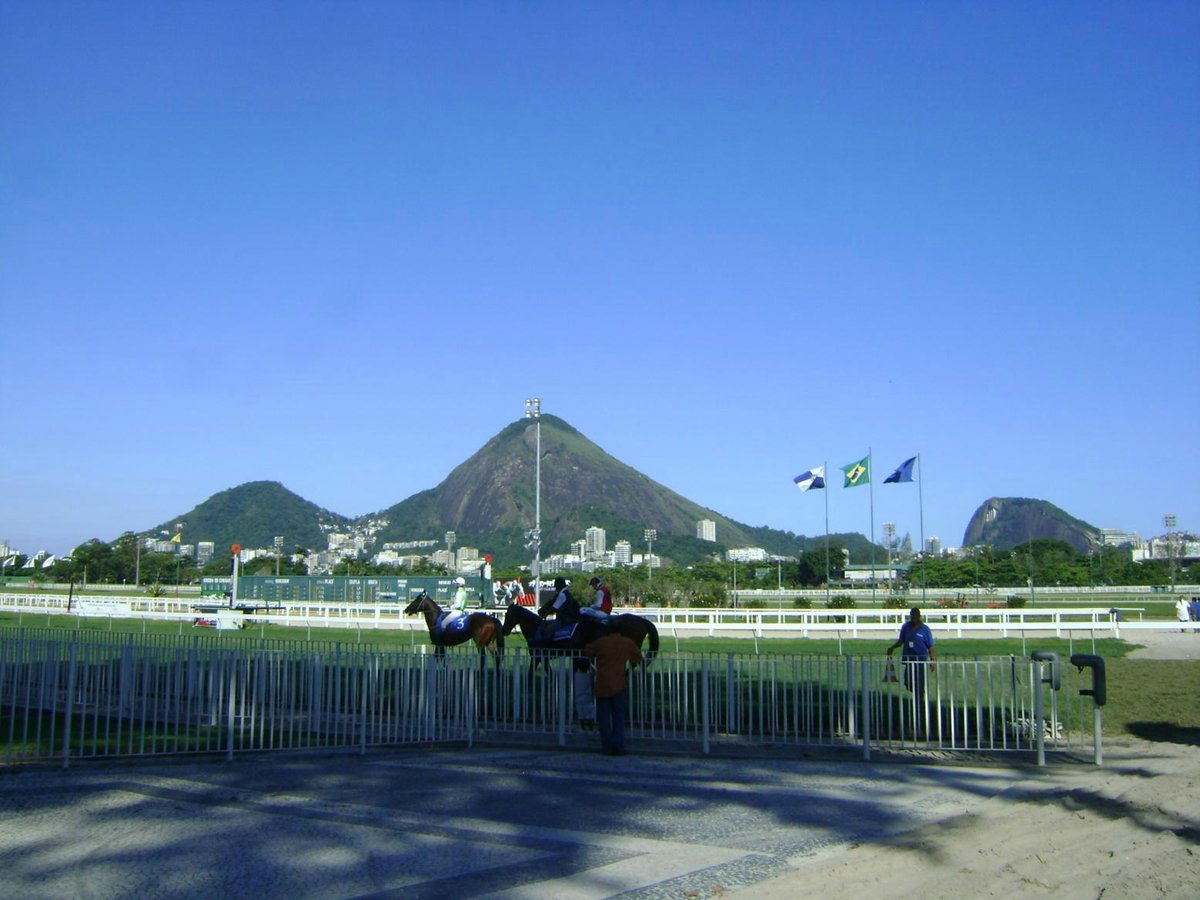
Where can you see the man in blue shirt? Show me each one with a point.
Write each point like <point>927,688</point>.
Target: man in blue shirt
<point>918,655</point>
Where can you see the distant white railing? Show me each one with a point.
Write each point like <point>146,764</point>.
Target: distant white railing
<point>846,623</point>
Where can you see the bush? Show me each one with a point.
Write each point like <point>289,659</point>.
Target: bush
<point>841,601</point>
<point>1014,602</point>
<point>895,603</point>
<point>802,603</point>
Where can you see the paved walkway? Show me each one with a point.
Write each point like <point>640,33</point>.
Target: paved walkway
<point>1163,644</point>
<point>458,823</point>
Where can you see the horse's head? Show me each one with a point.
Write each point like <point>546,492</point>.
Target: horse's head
<point>514,615</point>
<point>418,603</point>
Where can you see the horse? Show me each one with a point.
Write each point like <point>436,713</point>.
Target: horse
<point>481,628</point>
<point>636,628</point>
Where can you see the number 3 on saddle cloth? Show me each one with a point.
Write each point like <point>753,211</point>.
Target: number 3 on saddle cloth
<point>450,624</point>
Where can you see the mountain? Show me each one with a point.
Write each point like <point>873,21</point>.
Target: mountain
<point>489,500</point>
<point>1006,522</point>
<point>252,515</point>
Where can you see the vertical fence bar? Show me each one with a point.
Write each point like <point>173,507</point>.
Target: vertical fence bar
<point>69,708</point>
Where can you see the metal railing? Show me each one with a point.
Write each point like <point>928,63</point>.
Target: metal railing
<point>70,696</point>
<point>369,617</point>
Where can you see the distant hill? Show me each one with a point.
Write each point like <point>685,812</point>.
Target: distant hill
<point>1006,522</point>
<point>252,514</point>
<point>488,501</point>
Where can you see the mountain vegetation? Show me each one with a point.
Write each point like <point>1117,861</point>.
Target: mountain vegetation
<point>1005,522</point>
<point>489,501</point>
<point>252,515</point>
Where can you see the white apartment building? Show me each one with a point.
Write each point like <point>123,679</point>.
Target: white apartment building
<point>594,541</point>
<point>623,553</point>
<point>706,530</point>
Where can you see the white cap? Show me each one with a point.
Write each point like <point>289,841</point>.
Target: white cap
<point>460,580</point>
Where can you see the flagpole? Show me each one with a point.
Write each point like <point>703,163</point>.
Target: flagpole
<point>921,507</point>
<point>871,488</point>
<point>825,468</point>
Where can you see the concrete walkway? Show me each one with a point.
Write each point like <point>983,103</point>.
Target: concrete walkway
<point>461,823</point>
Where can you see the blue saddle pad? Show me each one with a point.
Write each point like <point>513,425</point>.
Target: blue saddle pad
<point>455,627</point>
<point>549,632</point>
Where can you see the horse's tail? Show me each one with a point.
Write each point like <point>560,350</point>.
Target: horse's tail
<point>488,634</point>
<point>652,634</point>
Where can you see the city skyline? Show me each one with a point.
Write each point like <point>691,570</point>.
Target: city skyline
<point>336,246</point>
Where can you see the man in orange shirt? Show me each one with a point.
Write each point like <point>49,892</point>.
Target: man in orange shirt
<point>612,653</point>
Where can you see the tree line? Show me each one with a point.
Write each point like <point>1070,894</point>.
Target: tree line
<point>1045,562</point>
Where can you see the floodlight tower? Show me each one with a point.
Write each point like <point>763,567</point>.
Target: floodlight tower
<point>533,410</point>
<point>650,535</point>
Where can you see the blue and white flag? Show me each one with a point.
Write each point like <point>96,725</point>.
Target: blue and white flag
<point>904,473</point>
<point>813,479</point>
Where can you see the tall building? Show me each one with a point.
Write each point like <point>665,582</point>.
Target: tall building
<point>706,530</point>
<point>623,553</point>
<point>933,546</point>
<point>204,552</point>
<point>594,541</point>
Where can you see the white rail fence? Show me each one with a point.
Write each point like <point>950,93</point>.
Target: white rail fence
<point>682,622</point>
<point>70,696</point>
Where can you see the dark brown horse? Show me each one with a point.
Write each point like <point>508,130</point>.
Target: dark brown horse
<point>486,631</point>
<point>637,629</point>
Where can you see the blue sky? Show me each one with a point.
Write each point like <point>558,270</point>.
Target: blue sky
<point>338,244</point>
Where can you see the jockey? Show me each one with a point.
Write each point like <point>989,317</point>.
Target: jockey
<point>458,606</point>
<point>601,607</point>
<point>564,607</point>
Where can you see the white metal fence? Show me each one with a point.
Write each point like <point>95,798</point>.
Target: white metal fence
<point>75,696</point>
<point>849,623</point>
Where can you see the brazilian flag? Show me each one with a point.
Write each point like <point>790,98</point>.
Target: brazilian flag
<point>857,472</point>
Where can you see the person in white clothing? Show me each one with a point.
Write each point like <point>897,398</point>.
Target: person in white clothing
<point>458,606</point>
<point>1181,611</point>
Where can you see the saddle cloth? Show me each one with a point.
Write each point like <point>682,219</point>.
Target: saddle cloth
<point>450,624</point>
<point>549,632</point>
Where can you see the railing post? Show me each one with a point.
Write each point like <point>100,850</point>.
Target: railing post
<point>866,710</point>
<point>1039,713</point>
<point>363,689</point>
<point>70,710</point>
<point>729,683</point>
<point>563,679</point>
<point>704,703</point>
<point>232,663</point>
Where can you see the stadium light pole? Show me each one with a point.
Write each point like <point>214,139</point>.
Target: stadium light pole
<point>533,410</point>
<point>650,535</point>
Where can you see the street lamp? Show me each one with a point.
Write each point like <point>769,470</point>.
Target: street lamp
<point>650,535</point>
<point>533,410</point>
